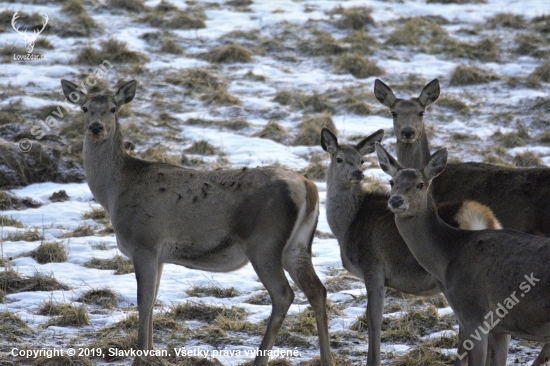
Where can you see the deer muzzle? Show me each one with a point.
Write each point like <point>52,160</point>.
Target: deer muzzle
<point>397,204</point>
<point>95,128</point>
<point>357,176</point>
<point>408,133</point>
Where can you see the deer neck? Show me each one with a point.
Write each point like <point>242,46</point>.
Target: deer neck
<point>103,162</point>
<point>414,155</point>
<point>430,240</point>
<point>342,205</point>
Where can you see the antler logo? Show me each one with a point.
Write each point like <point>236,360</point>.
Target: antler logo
<point>29,40</point>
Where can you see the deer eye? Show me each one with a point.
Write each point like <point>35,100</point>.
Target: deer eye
<point>391,183</point>
<point>362,162</point>
<point>338,160</point>
<point>113,110</point>
<point>420,185</point>
<point>421,114</point>
<point>394,115</point>
<point>84,109</point>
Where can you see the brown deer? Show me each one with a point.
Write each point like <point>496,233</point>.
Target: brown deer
<point>370,245</point>
<point>496,281</point>
<point>214,221</point>
<point>519,197</point>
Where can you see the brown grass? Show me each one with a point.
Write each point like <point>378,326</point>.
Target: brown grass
<point>130,5</point>
<point>50,252</point>
<point>72,316</point>
<point>205,312</point>
<point>357,65</point>
<point>309,133</point>
<point>229,54</point>
<point>121,265</point>
<point>12,282</point>
<point>114,51</point>
<point>470,75</point>
<point>273,131</point>
<point>103,297</point>
<point>356,17</point>
<point>213,291</point>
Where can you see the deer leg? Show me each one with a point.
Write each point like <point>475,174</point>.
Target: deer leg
<point>147,271</point>
<point>376,291</point>
<point>302,273</point>
<point>159,274</point>
<point>478,354</point>
<point>543,357</point>
<point>463,359</point>
<point>497,349</point>
<point>269,268</point>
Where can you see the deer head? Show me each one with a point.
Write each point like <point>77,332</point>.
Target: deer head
<point>29,40</point>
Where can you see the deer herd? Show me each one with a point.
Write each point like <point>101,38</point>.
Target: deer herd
<point>466,230</point>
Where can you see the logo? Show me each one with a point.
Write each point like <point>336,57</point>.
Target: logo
<point>29,39</point>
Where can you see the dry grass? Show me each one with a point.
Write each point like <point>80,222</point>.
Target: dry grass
<point>422,356</point>
<point>229,54</point>
<point>317,168</point>
<point>27,235</point>
<point>527,159</point>
<point>470,75</point>
<point>59,196</point>
<point>71,316</point>
<point>541,73</point>
<point>12,282</point>
<point>309,130</point>
<point>103,297</point>
<point>357,65</point>
<point>170,46</point>
<point>50,252</point>
<point>507,20</point>
<point>80,231</point>
<point>483,50</point>
<point>114,51</point>
<point>273,131</point>
<point>355,17</point>
<point>119,264</point>
<point>201,147</point>
<point>160,153</point>
<point>50,308</point>
<point>96,213</point>
<point>63,361</point>
<point>213,291</point>
<point>322,44</point>
<point>167,16</point>
<point>73,7</point>
<point>130,5</point>
<point>417,31</point>
<point>205,312</point>
<point>12,326</point>
<point>10,221</point>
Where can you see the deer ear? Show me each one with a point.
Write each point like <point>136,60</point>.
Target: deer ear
<point>126,93</point>
<point>383,93</point>
<point>436,165</point>
<point>430,93</point>
<point>329,141</point>
<point>387,162</point>
<point>72,93</point>
<point>366,146</point>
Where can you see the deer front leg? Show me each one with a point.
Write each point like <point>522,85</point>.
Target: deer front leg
<point>478,354</point>
<point>497,349</point>
<point>376,291</point>
<point>147,272</point>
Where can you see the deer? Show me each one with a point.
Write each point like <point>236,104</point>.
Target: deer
<point>519,197</point>
<point>214,221</point>
<point>29,40</point>
<point>371,247</point>
<point>494,286</point>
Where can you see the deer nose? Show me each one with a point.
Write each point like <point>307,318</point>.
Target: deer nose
<point>396,201</point>
<point>95,128</point>
<point>407,132</point>
<point>357,175</point>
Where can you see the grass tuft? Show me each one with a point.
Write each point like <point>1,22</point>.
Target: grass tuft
<point>309,133</point>
<point>355,17</point>
<point>228,54</point>
<point>103,297</point>
<point>130,5</point>
<point>50,252</point>
<point>62,361</point>
<point>273,131</point>
<point>12,282</point>
<point>417,31</point>
<point>527,159</point>
<point>507,20</point>
<point>317,168</point>
<point>59,196</point>
<point>422,356</point>
<point>10,221</point>
<point>470,75</point>
<point>28,235</point>
<point>213,291</point>
<point>357,65</point>
<point>116,52</point>
<point>80,231</point>
<point>541,73</point>
<point>72,316</point>
<point>119,264</point>
<point>205,312</point>
<point>201,147</point>
<point>168,16</point>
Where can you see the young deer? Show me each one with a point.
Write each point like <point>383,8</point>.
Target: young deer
<point>370,245</point>
<point>496,281</point>
<point>519,197</point>
<point>215,221</point>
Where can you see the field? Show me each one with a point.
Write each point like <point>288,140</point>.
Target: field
<point>231,84</point>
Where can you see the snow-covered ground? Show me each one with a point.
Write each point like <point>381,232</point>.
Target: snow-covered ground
<point>488,104</point>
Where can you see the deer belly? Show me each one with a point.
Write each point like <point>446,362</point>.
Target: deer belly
<point>224,257</point>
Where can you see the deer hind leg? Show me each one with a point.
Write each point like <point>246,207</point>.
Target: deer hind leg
<point>268,265</point>
<point>497,349</point>
<point>478,354</point>
<point>148,276</point>
<point>376,291</point>
<point>543,357</point>
<point>297,261</point>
